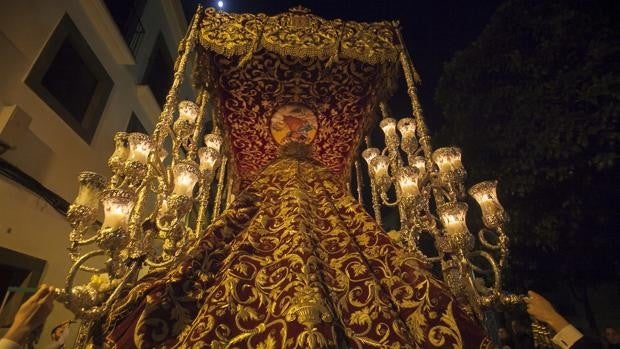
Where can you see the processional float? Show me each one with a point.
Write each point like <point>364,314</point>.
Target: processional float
<point>263,81</point>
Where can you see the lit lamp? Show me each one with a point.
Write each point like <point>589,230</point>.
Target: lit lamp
<point>117,206</point>
<point>84,207</point>
<point>452,216</point>
<point>213,141</point>
<point>407,181</point>
<point>420,164</point>
<point>379,169</point>
<point>139,147</point>
<point>406,127</point>
<point>188,112</point>
<point>369,154</point>
<point>388,125</point>
<point>485,193</point>
<point>91,185</point>
<point>186,176</point>
<point>121,151</point>
<point>449,162</point>
<point>209,160</point>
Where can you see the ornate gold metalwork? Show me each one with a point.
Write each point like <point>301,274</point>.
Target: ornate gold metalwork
<point>300,34</point>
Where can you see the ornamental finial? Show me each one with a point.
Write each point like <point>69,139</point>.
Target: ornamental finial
<point>299,10</point>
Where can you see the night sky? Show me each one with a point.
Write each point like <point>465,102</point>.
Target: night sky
<point>433,31</point>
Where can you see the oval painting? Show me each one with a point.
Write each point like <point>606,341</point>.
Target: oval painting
<point>293,122</point>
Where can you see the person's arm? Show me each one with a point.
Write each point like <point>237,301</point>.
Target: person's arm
<point>29,317</point>
<point>566,335</point>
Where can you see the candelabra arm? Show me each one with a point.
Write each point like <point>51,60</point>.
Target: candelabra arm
<point>376,205</point>
<point>203,201</point>
<point>386,201</point>
<point>165,118</point>
<point>358,179</point>
<point>203,101</point>
<point>220,189</point>
<point>503,246</point>
<point>87,241</point>
<point>136,264</point>
<point>66,296</point>
<point>497,281</point>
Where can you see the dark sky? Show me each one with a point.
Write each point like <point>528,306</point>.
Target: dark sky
<point>433,31</point>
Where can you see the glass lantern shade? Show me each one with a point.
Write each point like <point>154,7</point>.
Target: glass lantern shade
<point>370,154</point>
<point>406,127</point>
<point>140,147</point>
<point>448,159</point>
<point>407,181</point>
<point>213,141</point>
<point>485,194</point>
<point>388,125</point>
<point>379,167</point>
<point>117,206</point>
<point>186,176</point>
<point>209,159</point>
<point>91,185</point>
<point>188,111</point>
<point>452,216</point>
<point>419,163</point>
<point>121,147</point>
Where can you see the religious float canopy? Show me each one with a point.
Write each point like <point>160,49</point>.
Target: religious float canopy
<point>241,210</point>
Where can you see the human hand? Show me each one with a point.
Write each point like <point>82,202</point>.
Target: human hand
<point>540,309</point>
<point>31,314</point>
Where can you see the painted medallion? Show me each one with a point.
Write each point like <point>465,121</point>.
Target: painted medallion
<point>293,122</point>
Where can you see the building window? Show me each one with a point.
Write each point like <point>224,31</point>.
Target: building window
<point>126,14</point>
<point>158,73</point>
<point>135,125</point>
<point>70,79</point>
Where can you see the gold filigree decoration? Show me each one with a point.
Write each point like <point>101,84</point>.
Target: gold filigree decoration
<point>341,96</point>
<point>298,33</point>
<point>295,262</point>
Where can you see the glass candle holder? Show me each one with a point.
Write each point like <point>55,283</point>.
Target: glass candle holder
<point>420,164</point>
<point>485,194</point>
<point>407,181</point>
<point>140,147</point>
<point>406,127</point>
<point>186,176</point>
<point>452,216</point>
<point>188,112</point>
<point>117,206</point>
<point>369,154</point>
<point>447,159</point>
<point>121,151</point>
<point>388,125</point>
<point>209,160</point>
<point>213,141</point>
<point>91,185</point>
<point>379,169</point>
